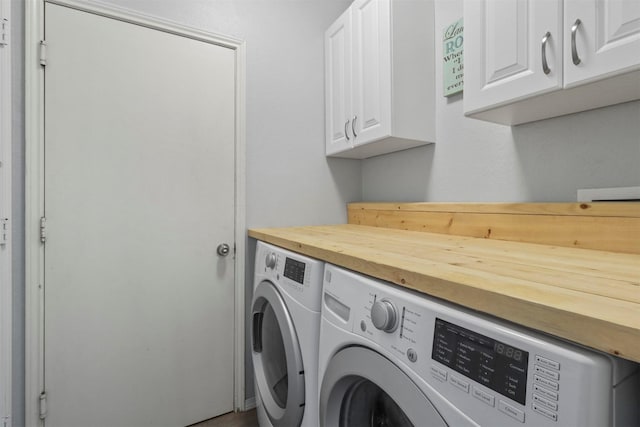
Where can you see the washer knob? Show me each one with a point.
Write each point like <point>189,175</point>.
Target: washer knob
<point>271,260</point>
<point>384,316</point>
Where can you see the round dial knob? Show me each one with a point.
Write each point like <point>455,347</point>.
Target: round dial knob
<point>384,316</point>
<point>270,260</point>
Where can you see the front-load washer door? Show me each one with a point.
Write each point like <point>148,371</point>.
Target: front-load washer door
<point>363,388</point>
<point>277,360</point>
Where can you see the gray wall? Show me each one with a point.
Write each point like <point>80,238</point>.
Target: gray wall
<point>480,161</point>
<point>289,181</point>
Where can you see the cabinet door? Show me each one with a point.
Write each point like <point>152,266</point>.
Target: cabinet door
<point>338,85</point>
<point>371,118</point>
<point>504,50</point>
<point>607,39</point>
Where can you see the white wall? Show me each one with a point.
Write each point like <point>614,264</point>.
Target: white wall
<point>289,180</point>
<point>480,161</point>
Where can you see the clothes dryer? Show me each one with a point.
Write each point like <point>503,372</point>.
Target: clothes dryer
<point>390,356</point>
<point>285,323</point>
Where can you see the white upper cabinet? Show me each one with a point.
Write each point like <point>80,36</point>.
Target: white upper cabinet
<point>338,83</point>
<point>514,48</point>
<point>602,39</point>
<point>527,60</point>
<point>379,66</point>
<point>371,70</point>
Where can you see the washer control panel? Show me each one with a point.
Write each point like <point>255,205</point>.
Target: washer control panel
<point>492,363</point>
<point>495,372</point>
<point>392,323</point>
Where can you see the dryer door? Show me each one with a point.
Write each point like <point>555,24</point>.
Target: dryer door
<point>277,360</point>
<point>362,388</point>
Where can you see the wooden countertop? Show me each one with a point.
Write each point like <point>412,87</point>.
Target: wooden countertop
<point>588,296</point>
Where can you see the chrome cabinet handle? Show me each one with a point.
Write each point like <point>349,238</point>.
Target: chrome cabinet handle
<point>574,49</point>
<point>545,66</point>
<point>353,126</point>
<point>346,132</point>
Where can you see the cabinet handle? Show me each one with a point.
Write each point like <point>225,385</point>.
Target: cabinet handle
<point>545,66</point>
<point>574,49</point>
<point>353,126</point>
<point>346,131</point>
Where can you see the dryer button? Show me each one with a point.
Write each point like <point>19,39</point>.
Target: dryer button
<point>552,375</point>
<point>541,410</point>
<point>545,382</point>
<point>545,392</point>
<point>461,384</point>
<point>547,363</point>
<point>541,401</point>
<point>438,373</point>
<point>485,397</point>
<point>514,413</point>
<point>412,355</point>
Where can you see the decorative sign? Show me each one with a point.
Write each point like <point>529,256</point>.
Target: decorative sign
<point>453,65</point>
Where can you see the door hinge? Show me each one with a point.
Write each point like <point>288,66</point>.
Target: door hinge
<point>4,32</point>
<point>4,231</point>
<point>43,53</point>
<point>43,230</point>
<point>43,405</point>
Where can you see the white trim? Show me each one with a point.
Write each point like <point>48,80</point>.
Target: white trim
<point>34,198</point>
<point>34,207</point>
<point>608,194</point>
<point>240,226</point>
<point>6,283</point>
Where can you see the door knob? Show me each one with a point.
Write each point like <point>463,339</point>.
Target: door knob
<point>223,249</point>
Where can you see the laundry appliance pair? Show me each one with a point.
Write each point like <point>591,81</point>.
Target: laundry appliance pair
<point>332,347</point>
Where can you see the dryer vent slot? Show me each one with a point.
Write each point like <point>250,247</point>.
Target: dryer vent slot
<point>257,332</point>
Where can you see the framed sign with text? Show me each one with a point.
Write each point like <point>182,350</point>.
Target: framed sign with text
<point>452,58</point>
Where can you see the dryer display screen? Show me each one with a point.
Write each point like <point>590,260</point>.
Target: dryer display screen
<point>294,270</point>
<point>501,367</point>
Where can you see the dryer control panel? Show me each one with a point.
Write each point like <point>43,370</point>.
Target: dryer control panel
<point>297,275</point>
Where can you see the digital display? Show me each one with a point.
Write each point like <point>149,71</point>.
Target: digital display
<point>494,364</point>
<point>294,270</point>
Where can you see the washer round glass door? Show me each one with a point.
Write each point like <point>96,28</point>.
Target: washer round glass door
<point>277,359</point>
<point>363,388</point>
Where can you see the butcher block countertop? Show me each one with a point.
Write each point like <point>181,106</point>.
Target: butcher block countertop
<point>588,296</point>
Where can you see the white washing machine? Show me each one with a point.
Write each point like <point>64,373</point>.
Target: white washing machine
<point>285,328</point>
<point>389,356</point>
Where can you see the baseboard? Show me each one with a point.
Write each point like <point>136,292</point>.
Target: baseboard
<point>250,403</point>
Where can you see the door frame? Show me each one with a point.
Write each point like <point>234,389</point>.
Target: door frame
<point>34,187</point>
<point>6,241</point>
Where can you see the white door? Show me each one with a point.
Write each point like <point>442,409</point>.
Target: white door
<point>506,49</point>
<point>139,191</point>
<point>337,39</point>
<point>602,39</point>
<point>371,70</point>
